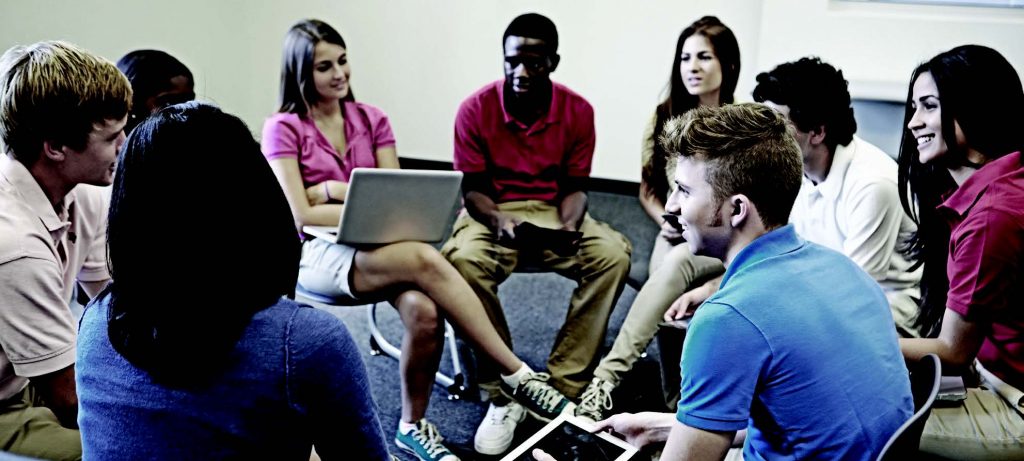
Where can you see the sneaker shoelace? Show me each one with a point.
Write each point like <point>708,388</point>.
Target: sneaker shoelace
<point>430,439</point>
<point>538,390</point>
<point>499,415</point>
<point>595,399</point>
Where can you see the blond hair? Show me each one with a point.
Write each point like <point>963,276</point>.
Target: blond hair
<point>747,149</point>
<point>54,91</point>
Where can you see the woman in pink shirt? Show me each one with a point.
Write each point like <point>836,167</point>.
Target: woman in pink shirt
<point>960,163</point>
<point>318,136</point>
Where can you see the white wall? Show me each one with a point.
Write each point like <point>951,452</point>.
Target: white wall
<point>417,60</point>
<point>878,45</point>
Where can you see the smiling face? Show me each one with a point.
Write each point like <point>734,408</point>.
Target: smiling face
<point>699,212</point>
<point>926,122</point>
<point>699,67</point>
<point>330,71</point>
<point>95,163</point>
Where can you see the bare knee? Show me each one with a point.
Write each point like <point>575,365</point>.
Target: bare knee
<point>418,256</point>
<point>419,313</point>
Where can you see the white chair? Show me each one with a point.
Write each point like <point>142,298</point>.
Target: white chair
<point>924,385</point>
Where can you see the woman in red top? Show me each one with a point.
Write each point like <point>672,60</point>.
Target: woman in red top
<point>960,164</point>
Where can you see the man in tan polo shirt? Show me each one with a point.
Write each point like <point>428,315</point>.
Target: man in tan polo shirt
<point>62,113</point>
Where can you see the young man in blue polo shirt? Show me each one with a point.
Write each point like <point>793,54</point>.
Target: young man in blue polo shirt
<point>798,347</point>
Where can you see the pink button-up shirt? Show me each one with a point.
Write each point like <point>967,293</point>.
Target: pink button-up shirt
<point>290,135</point>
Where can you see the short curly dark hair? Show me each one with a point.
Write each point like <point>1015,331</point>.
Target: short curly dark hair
<point>817,95</point>
<point>533,25</point>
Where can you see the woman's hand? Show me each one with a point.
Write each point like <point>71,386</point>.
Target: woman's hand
<point>317,194</point>
<point>670,232</point>
<point>326,192</point>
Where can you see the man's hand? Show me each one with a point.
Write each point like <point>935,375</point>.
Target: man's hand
<point>540,455</point>
<point>504,226</point>
<point>58,393</point>
<point>688,303</point>
<point>639,429</point>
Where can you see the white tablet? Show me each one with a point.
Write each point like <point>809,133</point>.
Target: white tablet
<point>568,438</point>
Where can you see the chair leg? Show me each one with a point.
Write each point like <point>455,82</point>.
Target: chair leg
<point>458,387</point>
<point>455,385</point>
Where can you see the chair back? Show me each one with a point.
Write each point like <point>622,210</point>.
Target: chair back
<point>924,386</point>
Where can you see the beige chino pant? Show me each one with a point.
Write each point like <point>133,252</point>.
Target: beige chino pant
<point>599,268</point>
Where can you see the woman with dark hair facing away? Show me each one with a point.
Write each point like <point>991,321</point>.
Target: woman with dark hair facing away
<point>705,69</point>
<point>963,182</point>
<point>318,136</point>
<point>158,80</point>
<point>226,368</point>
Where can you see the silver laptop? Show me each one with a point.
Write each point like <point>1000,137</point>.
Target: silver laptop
<point>387,206</point>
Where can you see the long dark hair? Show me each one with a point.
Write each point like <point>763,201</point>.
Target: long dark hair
<point>149,71</point>
<point>679,101</point>
<point>968,78</point>
<point>298,91</point>
<point>182,294</point>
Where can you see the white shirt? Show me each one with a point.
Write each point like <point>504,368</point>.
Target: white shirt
<point>856,211</point>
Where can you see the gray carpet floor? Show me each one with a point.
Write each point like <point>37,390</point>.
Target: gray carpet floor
<point>535,305</point>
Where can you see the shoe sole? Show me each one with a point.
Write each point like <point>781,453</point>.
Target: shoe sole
<point>493,451</point>
<point>504,448</point>
<point>587,418</point>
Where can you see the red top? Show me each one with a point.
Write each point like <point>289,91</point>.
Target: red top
<point>986,251</point>
<point>525,162</point>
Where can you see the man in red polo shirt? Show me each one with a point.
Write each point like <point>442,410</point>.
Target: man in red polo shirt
<point>525,145</point>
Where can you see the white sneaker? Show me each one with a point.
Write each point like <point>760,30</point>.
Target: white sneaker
<point>494,436</point>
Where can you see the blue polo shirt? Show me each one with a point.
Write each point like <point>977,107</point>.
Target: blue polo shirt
<point>798,346</point>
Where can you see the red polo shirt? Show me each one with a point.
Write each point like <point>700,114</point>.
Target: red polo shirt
<point>525,162</point>
<point>986,252</point>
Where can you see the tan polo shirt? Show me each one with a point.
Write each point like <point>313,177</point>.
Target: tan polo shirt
<point>42,252</point>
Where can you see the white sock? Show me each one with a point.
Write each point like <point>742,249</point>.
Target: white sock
<point>513,379</point>
<point>405,427</point>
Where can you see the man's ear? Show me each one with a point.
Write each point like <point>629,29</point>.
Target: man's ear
<point>555,59</point>
<point>817,136</point>
<point>741,210</point>
<point>54,151</point>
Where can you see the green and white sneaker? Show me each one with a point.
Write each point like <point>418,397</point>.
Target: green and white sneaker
<point>540,399</point>
<point>596,400</point>
<point>425,442</point>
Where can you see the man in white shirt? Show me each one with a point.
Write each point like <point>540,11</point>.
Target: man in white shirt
<point>62,113</point>
<point>849,200</point>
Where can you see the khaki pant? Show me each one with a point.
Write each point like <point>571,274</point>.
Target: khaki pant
<point>600,268</point>
<point>674,270</point>
<point>28,428</point>
<point>984,427</point>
